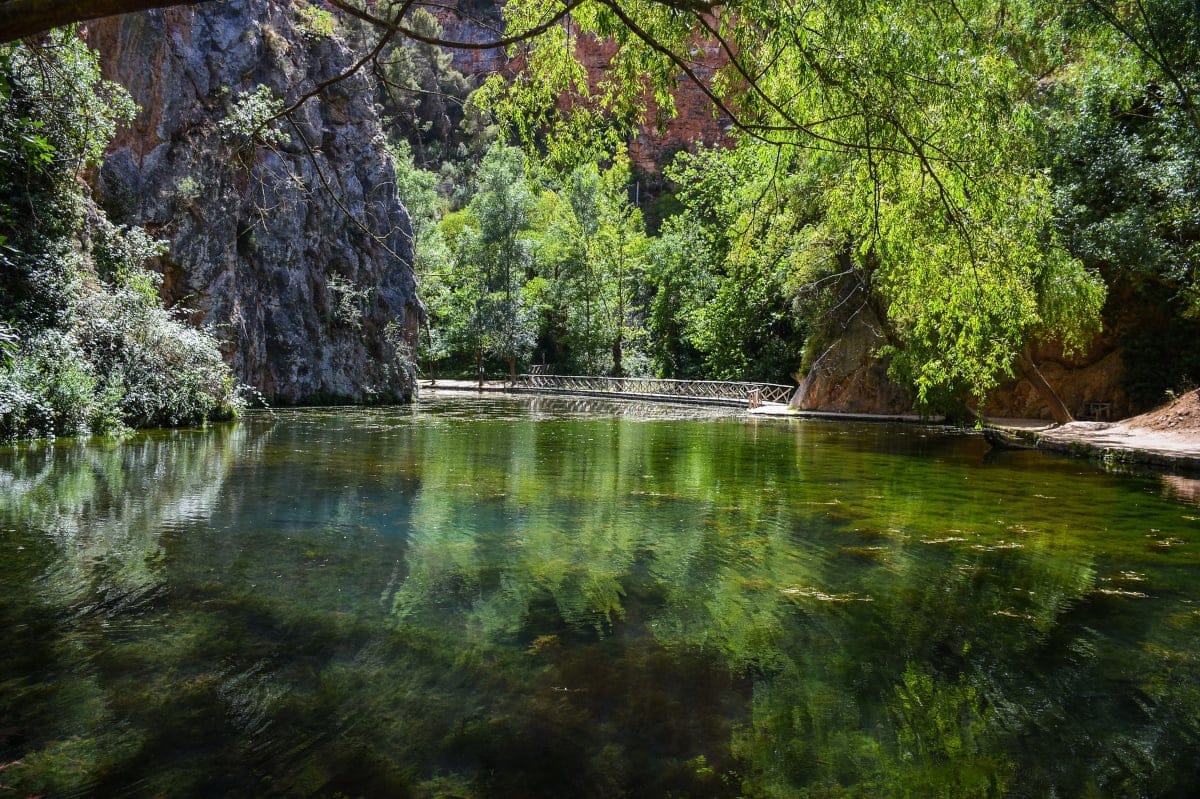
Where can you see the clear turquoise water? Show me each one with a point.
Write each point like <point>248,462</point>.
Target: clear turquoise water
<point>546,598</point>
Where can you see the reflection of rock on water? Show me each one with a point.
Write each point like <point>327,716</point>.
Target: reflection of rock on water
<point>1184,488</point>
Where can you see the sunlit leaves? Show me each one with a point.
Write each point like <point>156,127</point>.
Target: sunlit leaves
<point>492,261</point>
<point>252,119</point>
<point>963,304</point>
<point>899,134</point>
<point>1122,139</point>
<point>77,111</point>
<point>592,252</point>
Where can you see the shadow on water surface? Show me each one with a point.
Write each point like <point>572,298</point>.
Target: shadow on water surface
<point>508,597</point>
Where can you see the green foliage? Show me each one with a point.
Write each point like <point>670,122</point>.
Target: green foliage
<point>8,344</point>
<point>552,270</point>
<point>494,259</point>
<point>1122,137</point>
<point>729,256</point>
<point>433,260</point>
<point>316,21</point>
<point>592,257</point>
<point>188,189</point>
<point>403,361</point>
<point>680,278</point>
<point>124,361</point>
<point>253,119</point>
<point>425,97</point>
<point>417,190</point>
<point>87,347</point>
<point>50,390</point>
<point>890,162</point>
<point>59,108</point>
<point>164,372</point>
<point>346,300</point>
<point>884,157</point>
<point>591,292</point>
<point>119,255</point>
<point>527,103</point>
<point>962,309</point>
<point>56,115</point>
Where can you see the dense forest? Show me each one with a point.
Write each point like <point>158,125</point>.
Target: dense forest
<point>981,183</point>
<point>982,187</point>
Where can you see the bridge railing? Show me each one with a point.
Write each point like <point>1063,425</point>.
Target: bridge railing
<point>751,393</point>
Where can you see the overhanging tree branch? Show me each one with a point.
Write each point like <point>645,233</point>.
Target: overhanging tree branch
<point>22,18</point>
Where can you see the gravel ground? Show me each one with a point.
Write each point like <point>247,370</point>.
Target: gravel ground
<point>1173,429</point>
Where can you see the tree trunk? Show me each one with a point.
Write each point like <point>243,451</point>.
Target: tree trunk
<point>617,353</point>
<point>512,370</point>
<point>1029,370</point>
<point>21,18</point>
<point>432,360</point>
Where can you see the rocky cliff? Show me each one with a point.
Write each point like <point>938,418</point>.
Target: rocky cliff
<point>651,146</point>
<point>693,125</point>
<point>847,377</point>
<point>288,241</point>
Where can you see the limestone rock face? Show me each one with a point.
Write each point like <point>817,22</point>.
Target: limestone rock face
<point>848,378</point>
<point>477,23</point>
<point>291,244</point>
<point>1081,381</point>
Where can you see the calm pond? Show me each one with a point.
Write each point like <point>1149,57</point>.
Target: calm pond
<point>518,597</point>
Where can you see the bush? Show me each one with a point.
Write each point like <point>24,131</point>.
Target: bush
<point>125,363</point>
<point>84,344</point>
<point>167,373</point>
<point>50,389</point>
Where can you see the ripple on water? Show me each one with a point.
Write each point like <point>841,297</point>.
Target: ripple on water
<point>514,597</point>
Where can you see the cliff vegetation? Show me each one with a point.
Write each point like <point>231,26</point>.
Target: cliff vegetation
<point>910,207</point>
<point>85,345</point>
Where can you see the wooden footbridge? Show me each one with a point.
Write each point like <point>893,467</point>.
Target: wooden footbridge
<point>707,392</point>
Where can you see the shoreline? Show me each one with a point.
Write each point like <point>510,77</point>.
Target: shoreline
<point>1114,444</point>
<point>1111,443</point>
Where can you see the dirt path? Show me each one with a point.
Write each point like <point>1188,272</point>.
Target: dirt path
<point>1168,436</point>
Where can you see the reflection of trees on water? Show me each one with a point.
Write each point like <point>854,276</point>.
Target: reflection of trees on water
<point>1183,488</point>
<point>88,526</point>
<point>373,604</point>
<point>908,629</point>
<point>565,407</point>
<point>105,508</point>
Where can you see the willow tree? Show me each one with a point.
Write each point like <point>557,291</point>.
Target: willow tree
<point>909,125</point>
<point>1123,141</point>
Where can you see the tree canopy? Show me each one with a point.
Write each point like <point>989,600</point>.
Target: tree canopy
<point>939,167</point>
<point>886,153</point>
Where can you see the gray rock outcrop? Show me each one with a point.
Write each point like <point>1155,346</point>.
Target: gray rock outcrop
<point>289,241</point>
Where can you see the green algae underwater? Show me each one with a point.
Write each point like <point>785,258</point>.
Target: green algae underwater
<point>530,597</point>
